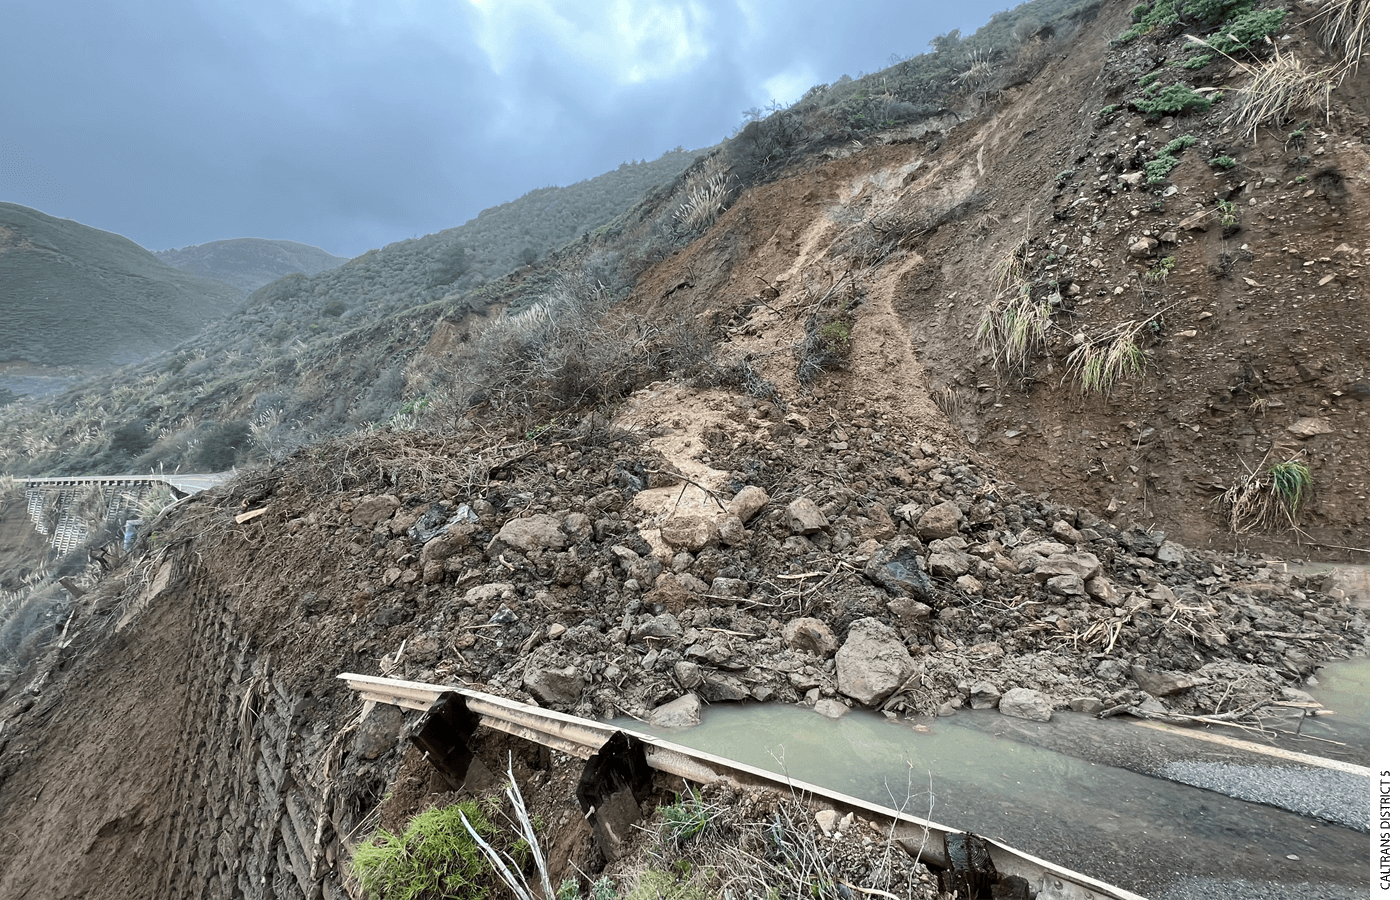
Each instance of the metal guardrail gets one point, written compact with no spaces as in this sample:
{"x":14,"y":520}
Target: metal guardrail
{"x":581,"y":738}
{"x":121,"y":498}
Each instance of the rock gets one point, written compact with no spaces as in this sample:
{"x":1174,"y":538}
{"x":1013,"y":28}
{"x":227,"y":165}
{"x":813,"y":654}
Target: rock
{"x":831,"y":707}
{"x":723,"y":689}
{"x":1131,"y":178}
{"x":1065,"y":532}
{"x":1171,"y":552}
{"x":1310,"y":426}
{"x":984,"y":695}
{"x":1152,"y":706}
{"x":450,"y":542}
{"x":809,"y":635}
{"x":826,"y":821}
{"x":643,"y":571}
{"x":1101,"y":589}
{"x":689,"y":533}
{"x":552,"y":684}
{"x":682,"y":712}
{"x":1091,"y":705}
{"x":729,"y":588}
{"x":578,"y":527}
{"x":663,"y":627}
{"x":488,"y":592}
{"x":909,"y":609}
{"x":895,"y":567}
{"x":529,"y":533}
{"x":969,"y":585}
{"x":748,"y":502}
{"x":402,"y":521}
{"x":378,"y":733}
{"x":950,"y":564}
{"x":803,"y":517}
{"x":878,"y":524}
{"x":872,"y":663}
{"x":1142,"y":247}
{"x":939,"y":522}
{"x":1083,"y":565}
{"x":731,"y":531}
{"x":372,"y":510}
{"x":672,"y":593}
{"x":688,"y":674}
{"x":1161,"y":684}
{"x":503,"y":616}
{"x":556,"y":631}
{"x":422,"y":648}
{"x":1024,"y":703}
{"x":1065,"y":585}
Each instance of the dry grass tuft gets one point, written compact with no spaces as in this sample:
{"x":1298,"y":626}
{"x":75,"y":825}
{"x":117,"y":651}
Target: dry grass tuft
{"x":1268,"y":498}
{"x":1279,"y":89}
{"x":1346,"y":29}
{"x":1101,"y":362}
{"x":1013,"y":326}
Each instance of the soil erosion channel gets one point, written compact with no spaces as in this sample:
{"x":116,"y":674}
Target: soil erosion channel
{"x":1137,"y":829}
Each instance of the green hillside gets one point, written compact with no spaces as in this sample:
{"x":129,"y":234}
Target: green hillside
{"x":249,"y":263}
{"x":75,"y":295}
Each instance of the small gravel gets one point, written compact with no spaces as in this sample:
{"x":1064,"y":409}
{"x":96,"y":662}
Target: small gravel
{"x":1319,"y":793}
{"x":1238,"y":889}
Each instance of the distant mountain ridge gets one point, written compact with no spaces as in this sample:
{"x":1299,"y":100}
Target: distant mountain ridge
{"x":76,"y":295}
{"x":249,"y":263}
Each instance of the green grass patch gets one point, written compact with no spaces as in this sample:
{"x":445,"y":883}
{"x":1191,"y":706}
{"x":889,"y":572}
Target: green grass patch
{"x":433,"y":858}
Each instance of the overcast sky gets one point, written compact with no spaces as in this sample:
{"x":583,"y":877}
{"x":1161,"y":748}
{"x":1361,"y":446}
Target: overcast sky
{"x":350,"y":124}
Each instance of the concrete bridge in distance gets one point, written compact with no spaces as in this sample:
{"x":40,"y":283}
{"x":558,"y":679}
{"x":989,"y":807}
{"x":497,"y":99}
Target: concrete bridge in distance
{"x":67,"y":508}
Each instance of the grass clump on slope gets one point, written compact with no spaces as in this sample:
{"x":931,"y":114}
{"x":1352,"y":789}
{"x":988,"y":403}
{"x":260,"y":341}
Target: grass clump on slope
{"x":433,"y":858}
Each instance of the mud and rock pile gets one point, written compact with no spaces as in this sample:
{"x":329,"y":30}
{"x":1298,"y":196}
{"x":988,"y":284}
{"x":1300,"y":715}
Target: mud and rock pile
{"x":598,"y":575}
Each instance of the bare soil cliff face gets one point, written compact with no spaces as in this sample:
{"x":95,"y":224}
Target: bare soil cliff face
{"x":877,"y":475}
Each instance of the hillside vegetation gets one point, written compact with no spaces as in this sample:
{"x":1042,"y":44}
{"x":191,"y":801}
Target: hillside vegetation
{"x":74,"y":295}
{"x":249,"y":263}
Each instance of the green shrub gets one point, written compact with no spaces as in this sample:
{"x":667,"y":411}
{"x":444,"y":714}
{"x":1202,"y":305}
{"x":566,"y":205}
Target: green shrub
{"x":1145,"y":18}
{"x":1247,"y":30}
{"x":1160,"y":100}
{"x":1176,"y":145}
{"x":1158,"y":168}
{"x":1224,"y":162}
{"x":1215,"y":10}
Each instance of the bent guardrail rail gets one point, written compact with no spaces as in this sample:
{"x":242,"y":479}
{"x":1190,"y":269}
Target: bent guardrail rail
{"x":583,"y":739}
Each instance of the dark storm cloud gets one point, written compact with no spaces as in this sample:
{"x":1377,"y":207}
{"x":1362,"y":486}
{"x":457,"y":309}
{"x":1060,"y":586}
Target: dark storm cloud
{"x":353,"y":124}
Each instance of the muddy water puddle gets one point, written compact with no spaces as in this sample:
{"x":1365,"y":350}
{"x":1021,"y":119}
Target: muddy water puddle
{"x":1149,"y":835}
{"x":1345,"y":689}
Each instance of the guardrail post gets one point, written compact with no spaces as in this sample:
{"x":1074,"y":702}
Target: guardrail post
{"x":613,"y":781}
{"x":443,"y":735}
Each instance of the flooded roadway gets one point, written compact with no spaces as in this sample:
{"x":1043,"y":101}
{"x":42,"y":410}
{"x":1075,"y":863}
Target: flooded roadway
{"x":1157,"y":811}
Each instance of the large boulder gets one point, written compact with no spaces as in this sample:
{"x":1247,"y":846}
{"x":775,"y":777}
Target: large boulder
{"x":873,"y":663}
{"x":1082,"y":565}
